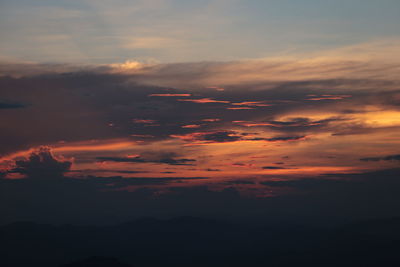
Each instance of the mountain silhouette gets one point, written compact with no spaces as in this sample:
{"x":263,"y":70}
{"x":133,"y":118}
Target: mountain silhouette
{"x":97,"y":262}
{"x":189,"y":241}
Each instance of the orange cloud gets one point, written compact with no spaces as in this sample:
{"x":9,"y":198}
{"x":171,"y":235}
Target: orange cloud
{"x":143,"y":121}
{"x":204,"y":101}
{"x":252,"y":103}
{"x":211,"y":120}
{"x":191,"y":126}
{"x":240,"y":108}
{"x":76,"y":147}
{"x":328,"y":97}
{"x":252,"y":124}
{"x":95,"y":146}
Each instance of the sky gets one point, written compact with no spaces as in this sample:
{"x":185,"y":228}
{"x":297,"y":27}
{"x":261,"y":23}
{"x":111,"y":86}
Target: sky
{"x":104,"y":32}
{"x":274,"y":107}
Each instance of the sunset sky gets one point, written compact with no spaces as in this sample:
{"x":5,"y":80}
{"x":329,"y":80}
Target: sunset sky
{"x":105,"y":31}
{"x":168,"y":95}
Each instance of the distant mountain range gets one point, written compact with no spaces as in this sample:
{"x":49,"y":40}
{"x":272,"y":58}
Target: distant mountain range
{"x":188,"y":241}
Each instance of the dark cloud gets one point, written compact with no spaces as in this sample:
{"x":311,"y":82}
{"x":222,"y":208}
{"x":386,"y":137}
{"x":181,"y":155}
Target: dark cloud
{"x":106,"y":171}
{"x":120,"y":159}
{"x":5,"y":105}
{"x":281,"y":138}
{"x":361,"y":184}
{"x":304,"y":183}
{"x":273,"y":168}
{"x":386,"y":158}
{"x":232,"y":136}
{"x":240,"y":182}
{"x":221,"y":136}
{"x":285,"y":138}
{"x":41,"y":164}
{"x":126,"y":172}
{"x":177,"y":161}
{"x":166,"y":160}
{"x":339,"y":197}
{"x":125,"y":183}
{"x":303,"y":122}
{"x":213,"y":170}
{"x":292,"y":123}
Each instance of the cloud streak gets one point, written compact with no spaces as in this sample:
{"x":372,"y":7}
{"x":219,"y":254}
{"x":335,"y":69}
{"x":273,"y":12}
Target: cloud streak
{"x":163,"y":160}
{"x":385,"y":158}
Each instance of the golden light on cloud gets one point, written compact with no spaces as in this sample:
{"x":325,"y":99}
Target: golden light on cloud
{"x":127,"y":66}
{"x":191,"y":126}
{"x":93,"y":146}
{"x":240,"y":108}
{"x":79,"y":147}
{"x":383,"y":118}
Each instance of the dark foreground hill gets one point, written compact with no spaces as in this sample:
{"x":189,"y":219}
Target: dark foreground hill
{"x":190,"y":242}
{"x":97,"y":262}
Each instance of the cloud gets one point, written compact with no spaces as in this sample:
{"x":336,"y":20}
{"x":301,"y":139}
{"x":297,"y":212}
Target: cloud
{"x":348,"y":196}
{"x":221,"y":136}
{"x":88,"y":171}
{"x":242,"y":165}
{"x":266,"y":71}
{"x":285,"y":138}
{"x":127,"y":184}
{"x":213,"y":170}
{"x":191,"y":126}
{"x":170,"y":95}
{"x":386,"y":158}
{"x":41,"y":164}
{"x":143,"y":121}
{"x":279,"y":138}
{"x":292,"y":124}
{"x":217,"y":136}
{"x":372,"y":61}
{"x":231,"y":136}
{"x":210,"y":120}
{"x":274,"y":168}
{"x":204,"y":101}
{"x":104,"y":113}
{"x":240,"y":182}
{"x":327,"y":97}
{"x":135,"y":106}
{"x":305,"y":184}
{"x":252,"y":104}
{"x":5,"y":105}
{"x":240,"y":108}
{"x":162,"y":160}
